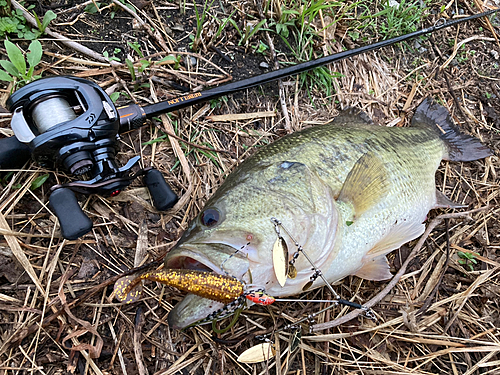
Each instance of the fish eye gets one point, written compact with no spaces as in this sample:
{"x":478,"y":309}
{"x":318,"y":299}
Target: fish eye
{"x":210,"y":217}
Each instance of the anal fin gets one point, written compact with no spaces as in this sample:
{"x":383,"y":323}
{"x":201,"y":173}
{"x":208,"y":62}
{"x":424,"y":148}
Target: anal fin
{"x":375,"y":269}
{"x":442,"y":201}
{"x":366,"y":184}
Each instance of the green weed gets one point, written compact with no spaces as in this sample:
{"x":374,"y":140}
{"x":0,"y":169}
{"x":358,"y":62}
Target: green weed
{"x":249,"y":30}
{"x":47,"y":19}
{"x":18,"y":67}
{"x":137,"y":48}
{"x":39,"y":181}
{"x":403,"y":19}
{"x":467,"y":259}
{"x":16,"y":23}
{"x":200,"y":20}
{"x":296,"y":24}
{"x":222,"y":26}
{"x":261,"y":47}
{"x":111,"y":58}
{"x":94,"y":7}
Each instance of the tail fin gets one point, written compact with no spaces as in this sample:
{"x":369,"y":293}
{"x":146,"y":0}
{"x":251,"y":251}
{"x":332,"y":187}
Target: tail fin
{"x":461,"y":147}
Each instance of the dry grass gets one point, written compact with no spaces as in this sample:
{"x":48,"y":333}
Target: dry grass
{"x":441,"y":317}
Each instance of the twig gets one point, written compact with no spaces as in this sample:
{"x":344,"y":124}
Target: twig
{"x":139,"y":358}
{"x":431,"y":296}
{"x":173,"y":135}
{"x":64,"y":40}
{"x":395,"y":279}
{"x":486,"y":20}
{"x":16,"y":339}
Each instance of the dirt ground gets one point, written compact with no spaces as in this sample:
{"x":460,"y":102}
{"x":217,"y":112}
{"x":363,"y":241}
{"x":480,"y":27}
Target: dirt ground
{"x":443,"y":316}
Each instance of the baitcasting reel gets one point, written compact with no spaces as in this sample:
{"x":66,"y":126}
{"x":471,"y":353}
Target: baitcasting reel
{"x":72,"y":123}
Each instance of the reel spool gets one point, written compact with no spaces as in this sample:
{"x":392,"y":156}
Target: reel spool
{"x":71,"y":123}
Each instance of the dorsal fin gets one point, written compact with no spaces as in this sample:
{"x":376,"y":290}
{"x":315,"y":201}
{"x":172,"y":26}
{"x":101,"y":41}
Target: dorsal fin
{"x":366,"y":184}
{"x":352,"y":115}
{"x":461,"y":147}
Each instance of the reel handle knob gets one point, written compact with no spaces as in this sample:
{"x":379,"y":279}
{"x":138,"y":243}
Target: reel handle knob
{"x":73,"y":221}
{"x":162,"y":194}
{"x":13,"y":154}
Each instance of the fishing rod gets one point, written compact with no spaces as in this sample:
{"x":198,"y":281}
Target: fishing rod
{"x":71,"y":123}
{"x":134,"y":112}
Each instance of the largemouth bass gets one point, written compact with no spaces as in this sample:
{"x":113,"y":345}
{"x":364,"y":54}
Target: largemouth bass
{"x":349,"y":192}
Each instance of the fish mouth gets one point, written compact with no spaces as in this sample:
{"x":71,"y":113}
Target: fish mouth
{"x":191,"y":260}
{"x":212,"y":257}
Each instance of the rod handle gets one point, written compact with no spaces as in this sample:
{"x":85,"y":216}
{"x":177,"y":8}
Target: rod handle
{"x":13,"y":154}
{"x":162,"y":194}
{"x":73,"y":221}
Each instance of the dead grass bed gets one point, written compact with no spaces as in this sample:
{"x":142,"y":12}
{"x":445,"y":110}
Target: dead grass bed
{"x":442,"y":316}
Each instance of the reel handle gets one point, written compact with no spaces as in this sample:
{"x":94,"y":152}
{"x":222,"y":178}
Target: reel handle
{"x":73,"y":221}
{"x":162,"y":194}
{"x":13,"y":154}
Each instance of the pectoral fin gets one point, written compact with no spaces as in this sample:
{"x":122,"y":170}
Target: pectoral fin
{"x":375,"y":269}
{"x":366,"y":184}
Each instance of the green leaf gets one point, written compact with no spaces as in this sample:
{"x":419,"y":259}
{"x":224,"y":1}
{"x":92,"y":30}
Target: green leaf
{"x":39,"y":181}
{"x":91,"y":8}
{"x":156,"y":140}
{"x":29,"y":75}
{"x":168,"y":58}
{"x":5,"y":77}
{"x":131,"y":68}
{"x":8,"y":25}
{"x":38,"y":23}
{"x":129,"y":6}
{"x":10,"y":68}
{"x":137,"y":48}
{"x":35,"y":55}
{"x":349,"y":223}
{"x":114,"y":96}
{"x":28,"y":35}
{"x":15,"y":56}
{"x":47,"y":18}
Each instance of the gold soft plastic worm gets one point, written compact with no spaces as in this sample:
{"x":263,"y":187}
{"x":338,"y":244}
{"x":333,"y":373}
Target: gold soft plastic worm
{"x":209,"y":285}
{"x":128,"y":289}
